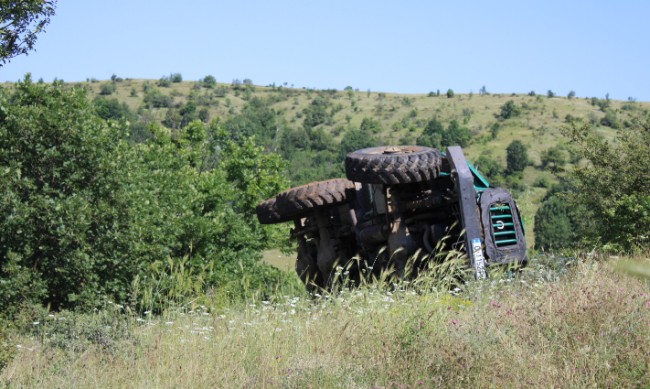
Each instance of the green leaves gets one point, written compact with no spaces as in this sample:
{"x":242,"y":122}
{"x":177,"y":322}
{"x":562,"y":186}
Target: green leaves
{"x":84,"y":212}
{"x":20,"y":23}
{"x":613,"y":185}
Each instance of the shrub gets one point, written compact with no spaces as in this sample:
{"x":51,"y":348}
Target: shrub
{"x":559,"y":222}
{"x":209,"y":81}
{"x":84,"y":212}
{"x":516,"y":157}
{"x":107,"y":88}
{"x":63,"y":208}
{"x":614,"y":185}
{"x":509,"y":110}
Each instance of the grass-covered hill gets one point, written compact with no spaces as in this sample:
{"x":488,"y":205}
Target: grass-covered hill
{"x":313,"y":129}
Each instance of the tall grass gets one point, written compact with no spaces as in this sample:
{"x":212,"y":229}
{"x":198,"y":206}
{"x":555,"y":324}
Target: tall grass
{"x":554,"y":324}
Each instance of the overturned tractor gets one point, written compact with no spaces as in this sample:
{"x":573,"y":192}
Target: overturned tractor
{"x":399,"y":202}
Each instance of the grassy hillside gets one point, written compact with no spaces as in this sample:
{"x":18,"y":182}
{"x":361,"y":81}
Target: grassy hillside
{"x":560,"y":324}
{"x":401,"y":119}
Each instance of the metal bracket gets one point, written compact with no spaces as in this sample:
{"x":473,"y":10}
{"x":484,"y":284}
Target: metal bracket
{"x":470,"y":214}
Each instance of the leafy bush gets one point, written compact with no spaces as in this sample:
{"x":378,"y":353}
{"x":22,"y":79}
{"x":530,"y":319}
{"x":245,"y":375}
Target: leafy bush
{"x":317,"y":112}
{"x":613,"y":186}
{"x":209,"y":81}
{"x":558,"y":222}
{"x":432,"y":134}
{"x":63,"y":211}
{"x":516,"y":157}
{"x":509,"y":110}
{"x":154,"y":98}
{"x":107,"y":88}
{"x":84,"y":212}
{"x":554,"y":158}
{"x":7,"y":348}
{"x":491,"y":168}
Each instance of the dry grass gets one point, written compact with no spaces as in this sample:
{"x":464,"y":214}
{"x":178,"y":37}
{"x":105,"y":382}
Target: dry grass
{"x":588,"y":327}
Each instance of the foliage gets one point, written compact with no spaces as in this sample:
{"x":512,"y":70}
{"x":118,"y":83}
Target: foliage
{"x":85,"y":214}
{"x":7,"y":348}
{"x":371,"y":125}
{"x":432,"y":134}
{"x":509,"y":110}
{"x":610,"y":119}
{"x":516,"y":157}
{"x":209,"y":81}
{"x":154,"y":98}
{"x":256,"y":119}
{"x":63,"y":214}
{"x":356,"y":139}
{"x":456,"y":135}
{"x":450,"y":93}
{"x":20,"y":23}
{"x":435,"y":135}
{"x":613,"y":186}
{"x":107,"y":88}
{"x":112,"y":109}
{"x":491,"y":168}
{"x":554,"y":157}
{"x":317,"y":112}
{"x":559,"y":223}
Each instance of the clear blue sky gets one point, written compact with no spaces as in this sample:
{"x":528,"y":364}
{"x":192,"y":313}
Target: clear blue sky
{"x":591,"y":47}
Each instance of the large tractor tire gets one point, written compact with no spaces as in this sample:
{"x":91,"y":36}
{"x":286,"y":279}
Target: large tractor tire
{"x":302,"y":200}
{"x":392,"y":165}
{"x":267,"y":212}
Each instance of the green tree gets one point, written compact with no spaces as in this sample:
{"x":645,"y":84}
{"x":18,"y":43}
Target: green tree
{"x":209,"y":81}
{"x":371,"y":125}
{"x":87,"y":215}
{"x":450,"y":93}
{"x":558,"y":222}
{"x":356,"y":139}
{"x":257,"y":119}
{"x":509,"y":110}
{"x":107,"y":88}
{"x":489,"y":167}
{"x":112,"y":109}
{"x":64,"y":215}
{"x":432,"y":134}
{"x":613,"y":186}
{"x":317,"y":112}
{"x":610,"y":119}
{"x":456,"y":135}
{"x":516,"y":157}
{"x":20,"y":23}
{"x":554,"y":158}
